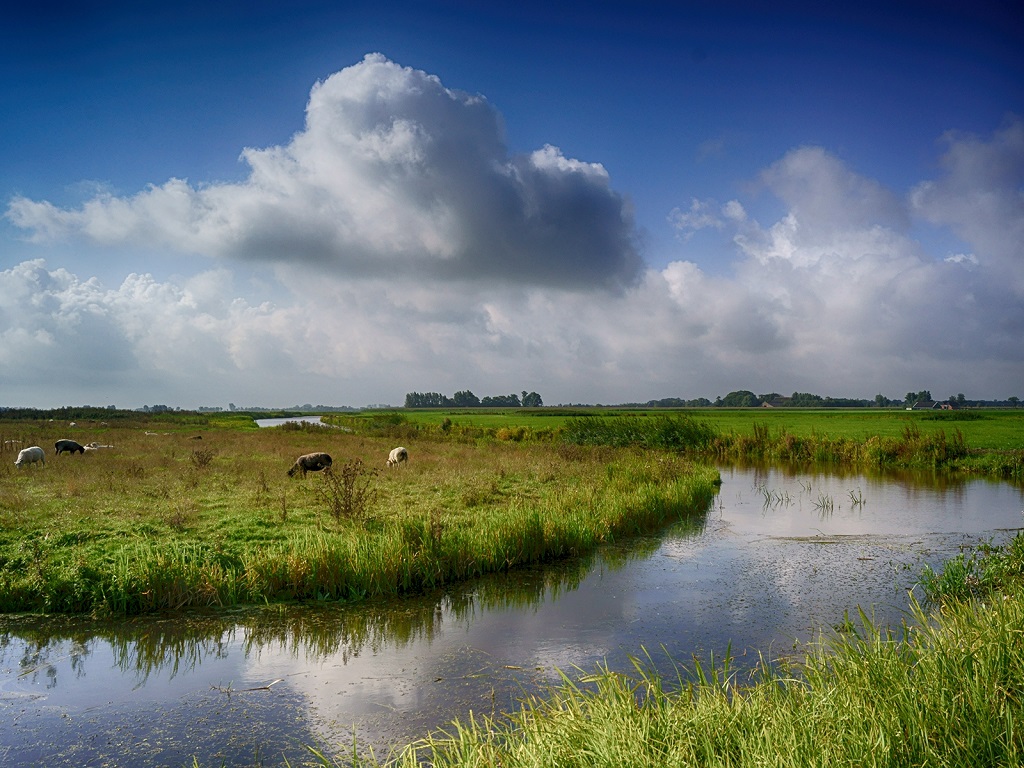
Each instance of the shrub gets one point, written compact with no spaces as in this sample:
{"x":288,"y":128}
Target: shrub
{"x":347,"y":490}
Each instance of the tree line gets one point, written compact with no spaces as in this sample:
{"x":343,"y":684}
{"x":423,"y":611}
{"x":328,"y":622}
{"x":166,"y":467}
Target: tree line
{"x":744,"y":398}
{"x":466,"y":399}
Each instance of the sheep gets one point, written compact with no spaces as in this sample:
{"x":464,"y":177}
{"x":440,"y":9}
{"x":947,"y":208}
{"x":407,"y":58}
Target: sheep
{"x":397,"y":456}
{"x":311,"y":462}
{"x":94,"y":446}
{"x":68,"y":446}
{"x":30,"y":456}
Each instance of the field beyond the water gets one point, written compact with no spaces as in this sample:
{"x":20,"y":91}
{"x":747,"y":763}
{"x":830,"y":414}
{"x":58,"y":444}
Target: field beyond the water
{"x":982,"y":442}
{"x":988,"y":429}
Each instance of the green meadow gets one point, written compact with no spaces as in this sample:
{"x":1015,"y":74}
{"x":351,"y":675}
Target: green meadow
{"x":984,"y":442}
{"x":989,"y":429}
{"x":202,"y":513}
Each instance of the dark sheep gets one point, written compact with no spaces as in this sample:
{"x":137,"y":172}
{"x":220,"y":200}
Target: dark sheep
{"x":68,"y":446}
{"x":311,"y":462}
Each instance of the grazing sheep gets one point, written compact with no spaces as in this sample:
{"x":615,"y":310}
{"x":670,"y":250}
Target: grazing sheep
{"x":397,"y":456}
{"x":68,"y":446}
{"x":30,"y":456}
{"x":311,"y":462}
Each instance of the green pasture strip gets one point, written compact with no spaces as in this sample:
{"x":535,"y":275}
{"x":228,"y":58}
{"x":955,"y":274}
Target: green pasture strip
{"x":946,"y":692}
{"x":165,"y":521}
{"x":979,"y":442}
{"x":983,"y":429}
{"x":989,"y":429}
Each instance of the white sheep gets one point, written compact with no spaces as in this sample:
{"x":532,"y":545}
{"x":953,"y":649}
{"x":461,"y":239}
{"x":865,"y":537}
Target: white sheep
{"x":397,"y":456}
{"x":30,"y":456}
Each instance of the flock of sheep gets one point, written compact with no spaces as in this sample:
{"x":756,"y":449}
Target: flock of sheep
{"x":35,"y":454}
{"x":310,"y":462}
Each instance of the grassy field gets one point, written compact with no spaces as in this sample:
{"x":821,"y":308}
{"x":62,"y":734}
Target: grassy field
{"x":202,"y":512}
{"x":995,"y":430}
{"x":984,"y":442}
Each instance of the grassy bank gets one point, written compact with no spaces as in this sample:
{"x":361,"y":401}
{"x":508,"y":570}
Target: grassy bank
{"x":949,"y":692}
{"x":978,"y":442}
{"x":201,"y":514}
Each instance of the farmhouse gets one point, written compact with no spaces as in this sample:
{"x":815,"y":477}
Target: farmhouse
{"x":931,"y":405}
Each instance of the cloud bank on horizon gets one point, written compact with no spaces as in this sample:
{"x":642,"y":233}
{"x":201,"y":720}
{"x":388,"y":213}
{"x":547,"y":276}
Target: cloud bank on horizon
{"x":395,"y":244}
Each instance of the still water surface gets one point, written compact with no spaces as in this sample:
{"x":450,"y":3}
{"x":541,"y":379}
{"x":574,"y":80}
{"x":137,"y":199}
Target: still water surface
{"x":778,"y":557}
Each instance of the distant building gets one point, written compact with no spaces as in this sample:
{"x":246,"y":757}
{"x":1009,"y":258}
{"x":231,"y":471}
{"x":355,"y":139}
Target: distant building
{"x":931,"y":405}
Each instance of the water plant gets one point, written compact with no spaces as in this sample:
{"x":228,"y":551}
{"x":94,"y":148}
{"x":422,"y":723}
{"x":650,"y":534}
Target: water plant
{"x":825,"y":504}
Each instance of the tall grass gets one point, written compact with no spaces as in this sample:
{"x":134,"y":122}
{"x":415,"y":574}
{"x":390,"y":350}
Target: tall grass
{"x":157,"y":523}
{"x":676,"y":433}
{"x":985,"y":572}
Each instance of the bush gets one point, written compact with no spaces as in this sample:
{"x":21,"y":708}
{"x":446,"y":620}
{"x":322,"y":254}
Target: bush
{"x":675,"y":433}
{"x":347,"y":490}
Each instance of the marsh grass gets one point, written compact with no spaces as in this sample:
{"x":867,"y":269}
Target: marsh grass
{"x":988,"y":572}
{"x":152,"y":524}
{"x":988,"y":442}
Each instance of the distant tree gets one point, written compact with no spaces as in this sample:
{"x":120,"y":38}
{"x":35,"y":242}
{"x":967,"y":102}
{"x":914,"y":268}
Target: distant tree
{"x":807,"y":400}
{"x":532,"y":400}
{"x":1013,"y":400}
{"x":501,"y":401}
{"x":960,"y":399}
{"x":881,"y":400}
{"x":427,"y":400}
{"x":740,"y":399}
{"x":465,"y":399}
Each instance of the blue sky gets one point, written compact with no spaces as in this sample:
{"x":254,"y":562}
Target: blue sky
{"x":279,"y":203}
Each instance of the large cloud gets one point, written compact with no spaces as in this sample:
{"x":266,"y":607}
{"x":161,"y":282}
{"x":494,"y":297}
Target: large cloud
{"x":981,"y":197}
{"x":393,"y":174}
{"x":839,"y":297}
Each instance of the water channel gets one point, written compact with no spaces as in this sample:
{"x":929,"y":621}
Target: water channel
{"x":779,"y":556}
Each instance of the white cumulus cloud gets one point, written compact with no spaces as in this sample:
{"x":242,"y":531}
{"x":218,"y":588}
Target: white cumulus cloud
{"x":392,"y":172}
